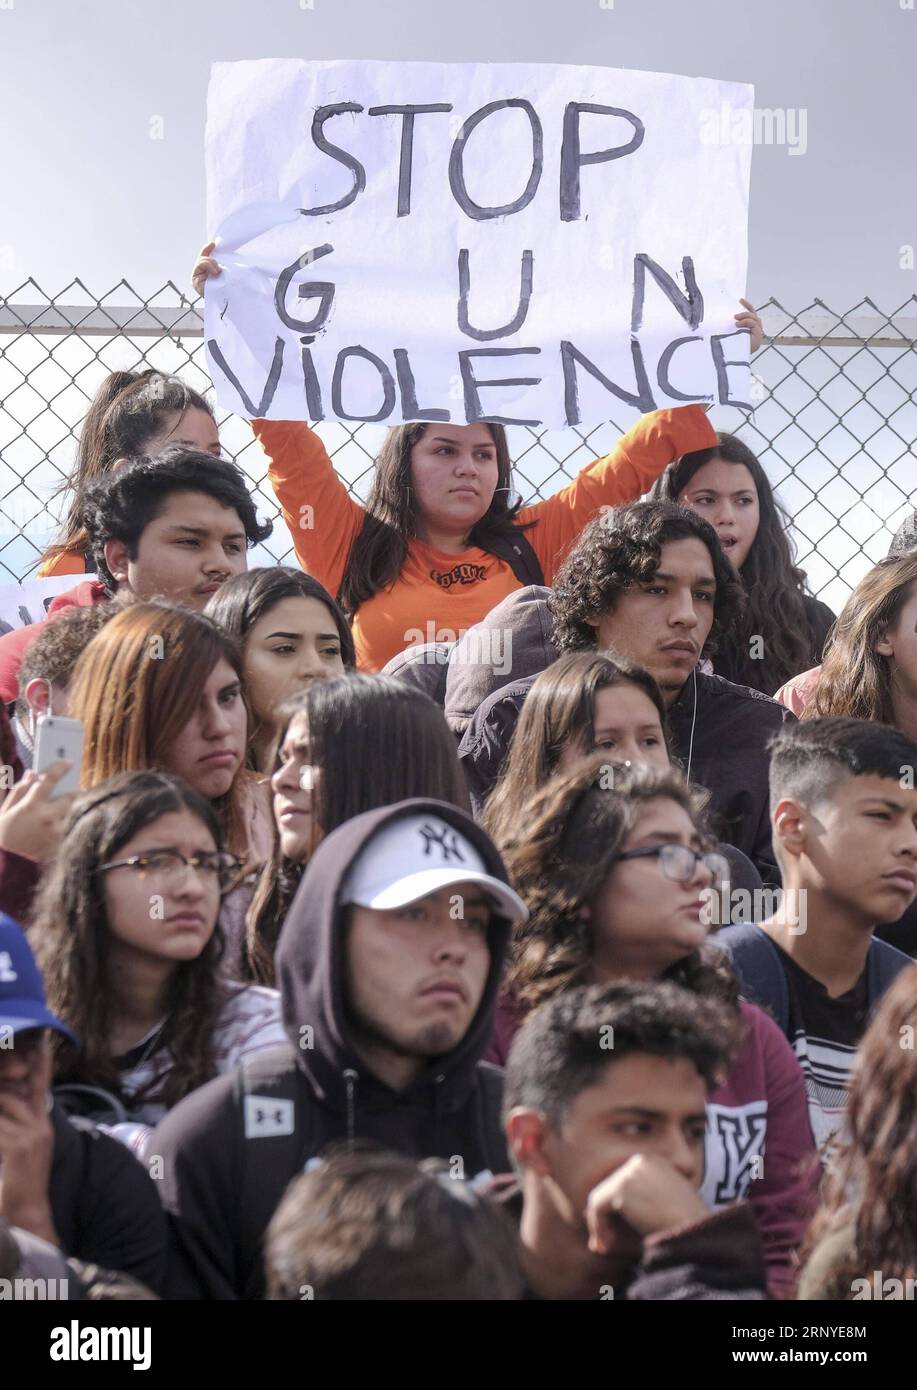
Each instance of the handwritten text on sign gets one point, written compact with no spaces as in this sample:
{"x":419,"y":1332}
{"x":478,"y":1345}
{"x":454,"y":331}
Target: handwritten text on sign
{"x":512,"y":242}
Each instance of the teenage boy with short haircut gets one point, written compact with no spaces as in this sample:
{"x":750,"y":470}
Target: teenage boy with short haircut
{"x":61,"y":1180}
{"x":604,"y":1101}
{"x":844,"y":810}
{"x":31,"y":836}
{"x":389,"y":964}
{"x":365,"y":1225}
{"x":47,"y":665}
{"x":176,"y":527}
{"x":651,"y":583}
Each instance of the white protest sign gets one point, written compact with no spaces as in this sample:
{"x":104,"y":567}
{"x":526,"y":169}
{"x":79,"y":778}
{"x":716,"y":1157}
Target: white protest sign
{"x":22,"y":604}
{"x":525,"y":243}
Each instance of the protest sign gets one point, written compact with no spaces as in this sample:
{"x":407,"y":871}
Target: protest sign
{"x":22,"y":604}
{"x":525,"y":243}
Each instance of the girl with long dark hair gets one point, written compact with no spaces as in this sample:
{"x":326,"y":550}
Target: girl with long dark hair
{"x":870,"y":666}
{"x":785,"y":627}
{"x":582,"y":702}
{"x":290,"y":632}
{"x":620,"y":879}
{"x":442,"y":540}
{"x":132,"y":413}
{"x":125,"y":929}
{"x":344,"y":746}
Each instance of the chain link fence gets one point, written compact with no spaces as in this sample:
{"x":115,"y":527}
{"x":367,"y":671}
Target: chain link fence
{"x":834,"y":423}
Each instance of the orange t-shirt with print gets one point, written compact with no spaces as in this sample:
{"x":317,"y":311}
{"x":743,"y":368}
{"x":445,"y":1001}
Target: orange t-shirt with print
{"x":438,"y":596}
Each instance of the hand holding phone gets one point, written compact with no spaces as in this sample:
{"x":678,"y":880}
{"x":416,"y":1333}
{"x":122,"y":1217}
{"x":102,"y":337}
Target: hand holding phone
{"x":31,"y":820}
{"x":55,"y":738}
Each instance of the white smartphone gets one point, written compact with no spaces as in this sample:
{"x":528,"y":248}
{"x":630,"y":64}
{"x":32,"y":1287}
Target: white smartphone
{"x":57,"y":737}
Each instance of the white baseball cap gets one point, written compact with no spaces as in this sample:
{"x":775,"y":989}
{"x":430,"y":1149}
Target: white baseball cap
{"x":418,"y":855}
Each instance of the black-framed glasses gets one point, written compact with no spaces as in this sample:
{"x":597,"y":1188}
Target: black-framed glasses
{"x":679,"y":862}
{"x":219,"y":867}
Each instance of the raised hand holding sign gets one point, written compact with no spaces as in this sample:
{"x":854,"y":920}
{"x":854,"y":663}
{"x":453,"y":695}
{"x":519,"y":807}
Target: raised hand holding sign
{"x":511,"y":242}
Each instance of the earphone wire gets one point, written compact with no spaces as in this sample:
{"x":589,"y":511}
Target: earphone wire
{"x":33,"y":718}
{"x":693,"y":723}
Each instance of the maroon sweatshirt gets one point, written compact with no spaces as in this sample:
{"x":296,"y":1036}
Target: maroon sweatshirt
{"x":13,"y":644}
{"x":18,"y":881}
{"x":759,"y":1143}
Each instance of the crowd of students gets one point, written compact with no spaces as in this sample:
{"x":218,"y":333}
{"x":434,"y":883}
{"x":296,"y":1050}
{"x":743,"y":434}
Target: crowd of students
{"x":566,"y":956}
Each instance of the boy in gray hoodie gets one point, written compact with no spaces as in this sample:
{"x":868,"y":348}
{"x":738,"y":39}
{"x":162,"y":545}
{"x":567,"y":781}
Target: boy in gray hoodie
{"x":389,"y":965}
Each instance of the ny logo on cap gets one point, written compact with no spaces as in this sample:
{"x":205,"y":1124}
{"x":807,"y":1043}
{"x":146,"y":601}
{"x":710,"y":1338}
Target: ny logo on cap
{"x":7,"y":973}
{"x":446,"y":839}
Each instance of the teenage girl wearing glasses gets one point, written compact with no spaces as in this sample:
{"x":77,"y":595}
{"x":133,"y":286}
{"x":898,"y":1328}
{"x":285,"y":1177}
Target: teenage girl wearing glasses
{"x":619,"y":877}
{"x":125,"y":929}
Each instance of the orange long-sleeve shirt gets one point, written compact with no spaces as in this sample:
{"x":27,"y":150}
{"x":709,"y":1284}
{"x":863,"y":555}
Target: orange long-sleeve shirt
{"x":438,"y":595}
{"x":68,"y":562}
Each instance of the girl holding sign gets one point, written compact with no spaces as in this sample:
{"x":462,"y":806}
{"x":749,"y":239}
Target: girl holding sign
{"x":440,"y":543}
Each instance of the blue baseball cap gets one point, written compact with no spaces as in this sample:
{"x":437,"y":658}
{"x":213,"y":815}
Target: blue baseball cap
{"x":22,"y":993}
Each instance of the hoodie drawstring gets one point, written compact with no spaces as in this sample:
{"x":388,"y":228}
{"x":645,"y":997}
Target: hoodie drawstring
{"x":437,"y":1109}
{"x":351,"y":1078}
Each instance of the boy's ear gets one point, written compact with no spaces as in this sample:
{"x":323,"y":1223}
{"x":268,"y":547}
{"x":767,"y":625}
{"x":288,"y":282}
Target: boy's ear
{"x":116,"y":558}
{"x":37,"y":695}
{"x":525,"y":1134}
{"x":789,"y":826}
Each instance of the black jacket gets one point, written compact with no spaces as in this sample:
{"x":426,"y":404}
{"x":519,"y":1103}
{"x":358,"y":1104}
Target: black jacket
{"x":732,"y":729}
{"x":230,"y":1149}
{"x":728,"y":754}
{"x":718,"y":1258}
{"x":105,"y":1207}
{"x":721,"y":1258}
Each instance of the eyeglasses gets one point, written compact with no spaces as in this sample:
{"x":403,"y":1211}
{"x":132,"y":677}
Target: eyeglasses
{"x":166,"y":864}
{"x":678,"y":862}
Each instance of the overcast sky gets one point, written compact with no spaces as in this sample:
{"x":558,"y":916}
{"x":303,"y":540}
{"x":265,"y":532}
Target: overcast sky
{"x":87,"y":192}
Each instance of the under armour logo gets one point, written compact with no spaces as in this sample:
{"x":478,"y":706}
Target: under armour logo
{"x":446,"y":839}
{"x":7,"y":973}
{"x":266,"y":1116}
